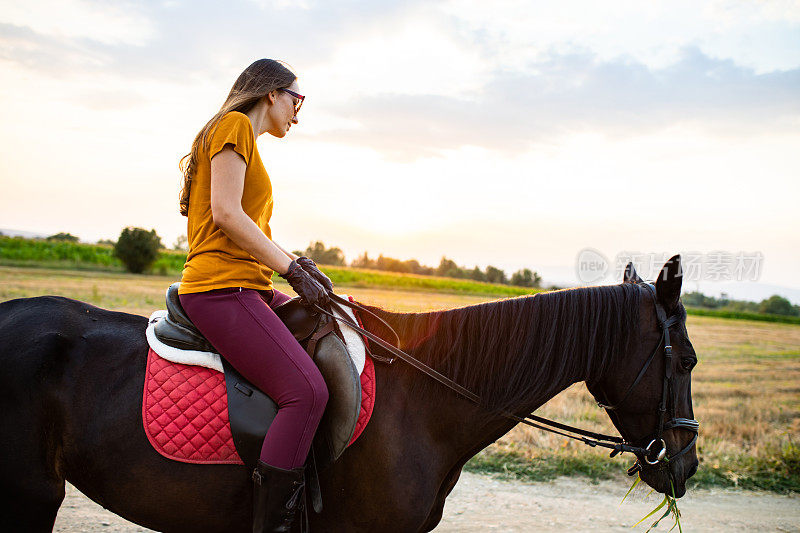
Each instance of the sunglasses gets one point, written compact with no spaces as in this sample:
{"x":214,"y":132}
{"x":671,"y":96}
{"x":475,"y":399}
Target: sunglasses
{"x":299,"y":103}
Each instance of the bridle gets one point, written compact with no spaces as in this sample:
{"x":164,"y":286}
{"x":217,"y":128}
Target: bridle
{"x":649,"y":454}
{"x":668,"y":400}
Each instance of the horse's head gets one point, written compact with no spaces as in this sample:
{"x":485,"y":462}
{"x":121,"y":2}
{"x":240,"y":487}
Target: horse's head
{"x":647,"y":392}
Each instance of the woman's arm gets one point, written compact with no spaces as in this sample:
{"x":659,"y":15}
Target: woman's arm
{"x":290,"y":255}
{"x":227,"y":186}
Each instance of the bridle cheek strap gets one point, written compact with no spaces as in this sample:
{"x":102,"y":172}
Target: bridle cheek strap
{"x":668,"y":400}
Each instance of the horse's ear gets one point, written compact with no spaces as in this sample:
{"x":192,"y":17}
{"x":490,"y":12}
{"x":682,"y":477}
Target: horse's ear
{"x":630,"y":275}
{"x":668,"y":284}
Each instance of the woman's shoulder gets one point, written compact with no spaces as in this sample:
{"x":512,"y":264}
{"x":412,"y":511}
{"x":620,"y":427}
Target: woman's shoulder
{"x":234,"y":119}
{"x":235,"y":124}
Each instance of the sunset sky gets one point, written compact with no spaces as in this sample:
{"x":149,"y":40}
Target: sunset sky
{"x":506,"y":133}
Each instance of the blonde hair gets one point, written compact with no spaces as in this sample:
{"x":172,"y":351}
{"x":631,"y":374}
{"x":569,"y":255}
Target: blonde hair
{"x":255,"y":82}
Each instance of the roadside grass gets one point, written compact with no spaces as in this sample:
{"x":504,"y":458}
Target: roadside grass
{"x":545,"y":466}
{"x":746,"y":387}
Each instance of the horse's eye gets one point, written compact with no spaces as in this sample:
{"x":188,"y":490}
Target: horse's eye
{"x":687,"y":363}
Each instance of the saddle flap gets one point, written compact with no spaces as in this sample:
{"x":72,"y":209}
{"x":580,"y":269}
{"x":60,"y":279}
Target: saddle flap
{"x":344,"y":400}
{"x":250,"y":413}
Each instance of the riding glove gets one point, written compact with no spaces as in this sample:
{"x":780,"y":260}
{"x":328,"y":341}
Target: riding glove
{"x":311,"y":267}
{"x":309,"y":289}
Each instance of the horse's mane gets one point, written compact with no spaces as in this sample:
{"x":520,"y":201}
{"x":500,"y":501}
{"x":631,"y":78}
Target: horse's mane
{"x":500,"y":349}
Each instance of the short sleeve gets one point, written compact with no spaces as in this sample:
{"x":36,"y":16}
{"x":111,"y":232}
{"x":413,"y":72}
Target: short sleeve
{"x":234,"y":128}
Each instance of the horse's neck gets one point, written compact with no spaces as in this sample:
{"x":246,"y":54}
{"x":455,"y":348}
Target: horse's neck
{"x":466,"y":426}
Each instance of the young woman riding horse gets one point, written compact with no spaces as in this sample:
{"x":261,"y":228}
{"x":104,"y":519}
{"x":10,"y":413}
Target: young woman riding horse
{"x":226,"y":287}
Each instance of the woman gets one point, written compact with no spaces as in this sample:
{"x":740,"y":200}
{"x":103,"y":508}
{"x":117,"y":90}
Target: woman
{"x":226,"y":287}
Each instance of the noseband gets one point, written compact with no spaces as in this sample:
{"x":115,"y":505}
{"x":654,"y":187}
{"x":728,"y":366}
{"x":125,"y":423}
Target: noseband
{"x":649,"y":454}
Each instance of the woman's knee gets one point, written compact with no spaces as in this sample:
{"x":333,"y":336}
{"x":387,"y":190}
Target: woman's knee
{"x":311,"y":396}
{"x":319,"y":393}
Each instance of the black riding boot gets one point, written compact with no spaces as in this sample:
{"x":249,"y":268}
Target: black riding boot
{"x":278,"y":495}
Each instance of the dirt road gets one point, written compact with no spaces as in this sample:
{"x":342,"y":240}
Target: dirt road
{"x":480,"y":503}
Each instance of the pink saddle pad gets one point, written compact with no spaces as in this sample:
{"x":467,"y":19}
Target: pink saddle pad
{"x":185,"y":411}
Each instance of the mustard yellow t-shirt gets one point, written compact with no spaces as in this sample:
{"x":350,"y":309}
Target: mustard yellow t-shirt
{"x":215,"y":261}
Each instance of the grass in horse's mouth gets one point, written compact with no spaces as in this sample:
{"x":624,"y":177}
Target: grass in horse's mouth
{"x":670,"y":502}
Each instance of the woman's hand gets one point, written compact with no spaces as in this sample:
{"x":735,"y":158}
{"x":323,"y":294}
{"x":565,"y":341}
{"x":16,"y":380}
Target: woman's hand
{"x":305,"y":286}
{"x":311,"y":267}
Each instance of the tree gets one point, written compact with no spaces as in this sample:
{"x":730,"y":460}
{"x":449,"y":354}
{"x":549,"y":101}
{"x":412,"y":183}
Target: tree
{"x":363,"y":261}
{"x":777,"y":305}
{"x":66,"y":237}
{"x":391,"y":264}
{"x":477,"y":274}
{"x":526,"y":278}
{"x":137,"y":248}
{"x":446,"y":267}
{"x":317,"y":252}
{"x":495,"y":275}
{"x":698,"y":299}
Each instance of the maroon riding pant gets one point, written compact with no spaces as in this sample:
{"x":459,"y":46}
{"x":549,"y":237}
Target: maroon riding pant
{"x":241,"y":324}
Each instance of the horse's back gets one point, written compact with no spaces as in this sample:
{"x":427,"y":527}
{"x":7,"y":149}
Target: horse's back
{"x":41,"y":336}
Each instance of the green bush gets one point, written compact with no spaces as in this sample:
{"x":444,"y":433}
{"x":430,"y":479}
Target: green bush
{"x":68,"y":237}
{"x":137,"y":248}
{"x":778,"y":305}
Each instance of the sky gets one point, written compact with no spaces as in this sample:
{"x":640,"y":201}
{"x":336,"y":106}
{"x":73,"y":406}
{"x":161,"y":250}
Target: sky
{"x":517,"y":134}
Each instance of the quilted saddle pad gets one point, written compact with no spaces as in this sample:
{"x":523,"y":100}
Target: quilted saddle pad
{"x":185,"y":411}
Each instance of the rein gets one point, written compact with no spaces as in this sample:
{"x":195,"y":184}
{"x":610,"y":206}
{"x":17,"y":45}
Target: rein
{"x":614,"y":443}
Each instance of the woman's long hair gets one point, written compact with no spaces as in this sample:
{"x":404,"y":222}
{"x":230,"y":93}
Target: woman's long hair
{"x":257,"y":80}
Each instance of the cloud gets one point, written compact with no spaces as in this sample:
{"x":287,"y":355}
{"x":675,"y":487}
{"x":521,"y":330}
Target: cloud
{"x":103,"y":22}
{"x":575,"y":93}
{"x":183,"y":42}
{"x":58,"y":56}
{"x":411,"y":79}
{"x":761,"y":35}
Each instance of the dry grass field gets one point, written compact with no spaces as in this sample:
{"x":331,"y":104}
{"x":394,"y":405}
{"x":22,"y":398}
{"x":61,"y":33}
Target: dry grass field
{"x":746,"y":388}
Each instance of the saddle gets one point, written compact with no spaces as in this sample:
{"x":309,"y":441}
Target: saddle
{"x":250,"y":411}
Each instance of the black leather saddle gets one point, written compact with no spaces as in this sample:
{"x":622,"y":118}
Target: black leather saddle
{"x":251,"y":411}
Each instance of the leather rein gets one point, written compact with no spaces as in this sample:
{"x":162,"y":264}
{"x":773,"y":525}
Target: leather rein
{"x":590,"y":438}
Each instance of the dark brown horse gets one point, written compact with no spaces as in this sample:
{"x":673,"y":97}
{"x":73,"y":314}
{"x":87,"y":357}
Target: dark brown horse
{"x":71,"y":395}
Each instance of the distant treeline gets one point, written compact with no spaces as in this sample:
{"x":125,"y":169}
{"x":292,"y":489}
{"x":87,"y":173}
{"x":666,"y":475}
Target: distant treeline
{"x":447,"y":268}
{"x":63,"y":251}
{"x":774,"y":305}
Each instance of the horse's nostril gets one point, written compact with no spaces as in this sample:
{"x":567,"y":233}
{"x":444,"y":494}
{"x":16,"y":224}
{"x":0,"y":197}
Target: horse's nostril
{"x":692,"y":471}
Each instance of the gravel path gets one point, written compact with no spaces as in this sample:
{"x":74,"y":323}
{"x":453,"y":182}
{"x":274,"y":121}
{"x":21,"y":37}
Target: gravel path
{"x":480,"y":503}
